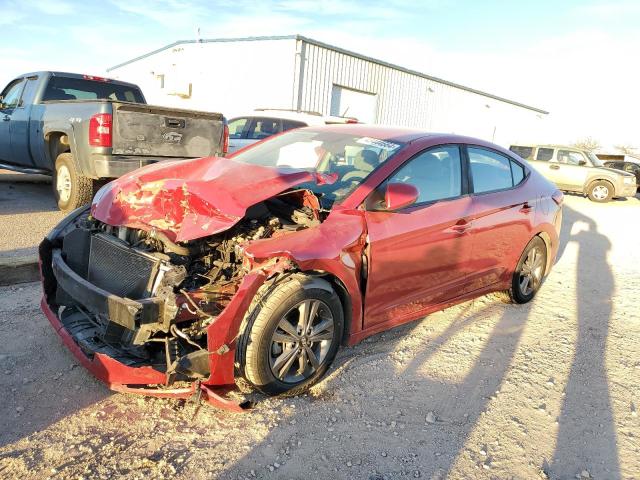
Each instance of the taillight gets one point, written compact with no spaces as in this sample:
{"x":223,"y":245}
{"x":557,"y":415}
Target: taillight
{"x":100,"y":130}
{"x":225,"y":141}
{"x":352,"y":120}
{"x":558,"y":197}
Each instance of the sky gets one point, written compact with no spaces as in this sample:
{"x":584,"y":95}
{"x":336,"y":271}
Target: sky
{"x":575,"y":59}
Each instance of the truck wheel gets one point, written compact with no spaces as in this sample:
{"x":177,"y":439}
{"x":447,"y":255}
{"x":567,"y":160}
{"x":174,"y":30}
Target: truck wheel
{"x":291,"y":336}
{"x":71,"y":189}
{"x":600,"y":191}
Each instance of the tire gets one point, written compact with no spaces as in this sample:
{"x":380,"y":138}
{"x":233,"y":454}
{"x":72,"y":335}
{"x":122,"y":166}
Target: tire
{"x":600,"y":191}
{"x":71,"y":189}
{"x":516,"y":294}
{"x":273,"y":365}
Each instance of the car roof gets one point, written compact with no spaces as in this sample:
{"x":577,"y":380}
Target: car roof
{"x":539,"y":145}
{"x":404,"y":135}
{"x":310,"y":118}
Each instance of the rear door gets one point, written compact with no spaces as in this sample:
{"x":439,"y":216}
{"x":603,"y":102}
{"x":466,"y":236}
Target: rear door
{"x":418,"y":256}
{"x":10,"y":101}
{"x":501,"y":214}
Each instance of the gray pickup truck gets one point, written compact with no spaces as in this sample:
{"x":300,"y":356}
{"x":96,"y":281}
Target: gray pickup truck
{"x":82,"y":129}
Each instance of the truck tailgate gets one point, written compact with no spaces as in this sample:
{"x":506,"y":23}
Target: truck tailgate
{"x":166,"y":132}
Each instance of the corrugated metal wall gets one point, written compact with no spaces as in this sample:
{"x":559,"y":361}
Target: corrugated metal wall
{"x":238,"y":75}
{"x":408,"y":99}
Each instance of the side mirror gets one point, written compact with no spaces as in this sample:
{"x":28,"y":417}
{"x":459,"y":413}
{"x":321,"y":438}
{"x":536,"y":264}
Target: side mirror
{"x":582,"y":163}
{"x":400,"y":195}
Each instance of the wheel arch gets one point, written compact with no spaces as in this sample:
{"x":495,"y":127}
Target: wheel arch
{"x":546,"y":238}
{"x":600,"y":179}
{"x":343,"y":294}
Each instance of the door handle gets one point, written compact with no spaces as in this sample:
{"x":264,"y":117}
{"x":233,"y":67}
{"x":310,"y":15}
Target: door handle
{"x":6,"y":118}
{"x":526,"y":208}
{"x":461,"y":226}
{"x":554,"y":167}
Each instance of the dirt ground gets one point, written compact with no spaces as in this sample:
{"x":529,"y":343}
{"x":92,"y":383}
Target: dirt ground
{"x":481,"y":390}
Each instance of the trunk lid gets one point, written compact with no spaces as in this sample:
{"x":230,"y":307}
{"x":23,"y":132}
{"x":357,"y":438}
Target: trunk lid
{"x":191,"y":199}
{"x":153,"y":131}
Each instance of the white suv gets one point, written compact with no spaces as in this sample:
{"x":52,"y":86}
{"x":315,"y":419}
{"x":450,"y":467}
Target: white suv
{"x":262,"y":123}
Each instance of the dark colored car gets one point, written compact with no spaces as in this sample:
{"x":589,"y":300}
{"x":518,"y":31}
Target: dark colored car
{"x":629,"y":167}
{"x":184,"y":276}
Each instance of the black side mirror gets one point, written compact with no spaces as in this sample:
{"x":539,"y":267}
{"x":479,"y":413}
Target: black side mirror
{"x":582,"y":163}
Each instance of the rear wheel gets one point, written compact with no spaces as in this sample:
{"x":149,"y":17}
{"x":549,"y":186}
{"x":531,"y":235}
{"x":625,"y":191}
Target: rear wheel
{"x":528,"y":275}
{"x":291,"y":336}
{"x":71,"y":189}
{"x":600,"y":191}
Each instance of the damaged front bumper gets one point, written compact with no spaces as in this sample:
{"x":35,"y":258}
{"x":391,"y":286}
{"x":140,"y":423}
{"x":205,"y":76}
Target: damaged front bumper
{"x":120,"y":372}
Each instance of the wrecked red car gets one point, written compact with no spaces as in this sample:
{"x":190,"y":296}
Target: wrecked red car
{"x":183,"y":276}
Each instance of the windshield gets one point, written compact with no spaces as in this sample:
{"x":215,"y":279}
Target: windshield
{"x":595,"y":160}
{"x":346,"y":160}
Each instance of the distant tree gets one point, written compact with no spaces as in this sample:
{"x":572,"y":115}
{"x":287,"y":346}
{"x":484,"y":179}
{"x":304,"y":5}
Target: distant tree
{"x":587,"y":143}
{"x":626,"y":149}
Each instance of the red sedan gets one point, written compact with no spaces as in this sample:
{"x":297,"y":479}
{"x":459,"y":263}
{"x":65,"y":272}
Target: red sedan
{"x":185,"y":275}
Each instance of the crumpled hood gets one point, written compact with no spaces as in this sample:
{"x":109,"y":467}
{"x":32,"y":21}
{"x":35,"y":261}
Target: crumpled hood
{"x":190,"y":199}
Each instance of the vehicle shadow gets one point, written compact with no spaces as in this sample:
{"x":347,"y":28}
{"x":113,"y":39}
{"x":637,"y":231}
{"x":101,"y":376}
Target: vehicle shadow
{"x":586,"y":437}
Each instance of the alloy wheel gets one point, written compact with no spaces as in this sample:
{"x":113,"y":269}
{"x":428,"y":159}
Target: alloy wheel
{"x":531,"y":272}
{"x":301,"y":341}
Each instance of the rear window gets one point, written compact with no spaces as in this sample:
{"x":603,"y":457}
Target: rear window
{"x":522,"y":152}
{"x":65,"y":88}
{"x":291,"y":124}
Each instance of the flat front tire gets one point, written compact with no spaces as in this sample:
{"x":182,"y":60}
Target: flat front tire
{"x":71,"y":189}
{"x":291,"y":336}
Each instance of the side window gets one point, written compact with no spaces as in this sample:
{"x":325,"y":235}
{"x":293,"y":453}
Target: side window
{"x":11,"y":94}
{"x":517,"y":173}
{"x":436,"y":173}
{"x":291,"y":124}
{"x":522,"y":152}
{"x":571,"y":158}
{"x":544,"y":154}
{"x":491,"y":171}
{"x":263,"y":127}
{"x":236,"y":127}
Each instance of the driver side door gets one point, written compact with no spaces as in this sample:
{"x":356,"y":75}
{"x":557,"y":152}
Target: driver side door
{"x":10,"y":98}
{"x":419,"y":255}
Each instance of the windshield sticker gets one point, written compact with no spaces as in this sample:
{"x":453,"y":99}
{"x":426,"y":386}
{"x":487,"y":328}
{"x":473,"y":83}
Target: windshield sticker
{"x":374,"y":142}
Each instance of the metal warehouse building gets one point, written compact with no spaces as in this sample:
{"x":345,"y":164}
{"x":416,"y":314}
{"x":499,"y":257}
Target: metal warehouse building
{"x":236,"y":76}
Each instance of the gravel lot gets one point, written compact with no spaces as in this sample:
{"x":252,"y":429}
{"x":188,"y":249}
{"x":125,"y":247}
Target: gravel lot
{"x":481,"y":390}
{"x":28,"y":212}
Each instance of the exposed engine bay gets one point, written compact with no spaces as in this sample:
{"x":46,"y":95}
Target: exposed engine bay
{"x":158,"y":297}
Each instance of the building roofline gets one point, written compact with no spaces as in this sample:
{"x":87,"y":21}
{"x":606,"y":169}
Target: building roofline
{"x":339,"y":50}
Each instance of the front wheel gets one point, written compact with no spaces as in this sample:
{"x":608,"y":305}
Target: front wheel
{"x":71,"y":189}
{"x":291,"y":336}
